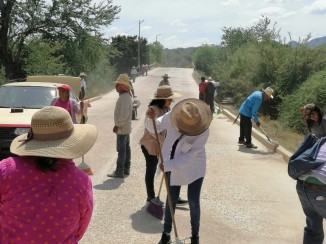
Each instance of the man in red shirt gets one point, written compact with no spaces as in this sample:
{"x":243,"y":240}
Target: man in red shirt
{"x":202,"y":86}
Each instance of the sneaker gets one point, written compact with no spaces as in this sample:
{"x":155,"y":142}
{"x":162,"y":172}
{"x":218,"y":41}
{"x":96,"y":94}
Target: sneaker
{"x":181,"y":202}
{"x":241,"y":142}
{"x":165,"y":239}
{"x":250,"y":145}
{"x":127,"y":171}
{"x":194,"y":239}
{"x":116,"y":174}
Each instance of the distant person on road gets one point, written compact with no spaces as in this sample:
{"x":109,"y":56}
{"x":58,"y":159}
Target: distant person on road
{"x":314,"y":119}
{"x":249,"y":109}
{"x":202,"y":86}
{"x":133,"y":74}
{"x":44,"y":197}
{"x":209,"y":95}
{"x":165,"y":81}
{"x":122,"y":126}
{"x":146,"y":69}
{"x":160,"y":103}
{"x":83,"y":85}
{"x":143,"y":69}
{"x":184,"y":156}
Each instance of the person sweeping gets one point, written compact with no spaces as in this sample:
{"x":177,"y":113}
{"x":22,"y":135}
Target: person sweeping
{"x":184,"y":157}
{"x":160,"y":102}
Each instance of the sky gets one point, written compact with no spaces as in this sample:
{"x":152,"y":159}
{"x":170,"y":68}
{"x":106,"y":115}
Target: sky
{"x":192,"y":23}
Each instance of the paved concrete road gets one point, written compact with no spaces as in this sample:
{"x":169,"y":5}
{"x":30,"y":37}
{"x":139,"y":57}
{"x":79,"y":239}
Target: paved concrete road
{"x":247,"y":196}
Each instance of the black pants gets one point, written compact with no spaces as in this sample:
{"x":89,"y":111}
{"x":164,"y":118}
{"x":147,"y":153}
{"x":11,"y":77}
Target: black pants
{"x":245,"y":129}
{"x":151,"y":165}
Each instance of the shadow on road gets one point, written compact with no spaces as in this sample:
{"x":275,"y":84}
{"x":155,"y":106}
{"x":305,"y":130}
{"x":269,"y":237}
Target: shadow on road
{"x":109,"y":184}
{"x":145,"y":223}
{"x":242,"y":148}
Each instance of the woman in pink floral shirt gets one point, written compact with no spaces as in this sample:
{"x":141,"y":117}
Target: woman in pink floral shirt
{"x":44,"y":197}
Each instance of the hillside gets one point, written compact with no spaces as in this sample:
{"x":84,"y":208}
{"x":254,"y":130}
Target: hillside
{"x":312,"y":43}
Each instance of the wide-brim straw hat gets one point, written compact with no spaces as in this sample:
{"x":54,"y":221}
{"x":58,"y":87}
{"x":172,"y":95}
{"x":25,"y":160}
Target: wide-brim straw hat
{"x":165,"y":92}
{"x":269,"y":92}
{"x":124,"y":79}
{"x":191,"y":117}
{"x":165,"y":76}
{"x":82,"y":74}
{"x":54,"y":135}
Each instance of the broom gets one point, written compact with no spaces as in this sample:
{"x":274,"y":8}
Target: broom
{"x":177,"y":240}
{"x":155,"y":206}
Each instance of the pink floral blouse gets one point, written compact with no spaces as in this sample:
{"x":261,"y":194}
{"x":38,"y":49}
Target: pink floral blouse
{"x":38,"y":207}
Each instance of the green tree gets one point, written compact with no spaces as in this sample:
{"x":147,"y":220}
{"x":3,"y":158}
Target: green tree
{"x":125,"y":50}
{"x":41,"y":58}
{"x":155,"y":53}
{"x":180,"y":57}
{"x":205,"y":58}
{"x":58,"y":21}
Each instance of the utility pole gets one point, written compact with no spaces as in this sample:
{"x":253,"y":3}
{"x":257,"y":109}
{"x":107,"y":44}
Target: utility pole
{"x":140,"y":21}
{"x":157,"y":36}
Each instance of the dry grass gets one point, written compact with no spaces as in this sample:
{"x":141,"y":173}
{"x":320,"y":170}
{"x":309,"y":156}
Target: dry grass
{"x":277,"y":132}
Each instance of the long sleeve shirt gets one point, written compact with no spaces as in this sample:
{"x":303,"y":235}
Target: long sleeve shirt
{"x":251,"y":105}
{"x":38,"y":207}
{"x":123,"y":113}
{"x":189,"y":162}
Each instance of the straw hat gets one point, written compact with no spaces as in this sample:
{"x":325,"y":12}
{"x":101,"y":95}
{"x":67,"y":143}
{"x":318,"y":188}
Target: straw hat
{"x":54,"y":135}
{"x":64,"y":87}
{"x":165,"y":92}
{"x":165,"y":76}
{"x":269,"y":92}
{"x":191,"y":117}
{"x":124,"y":79}
{"x":209,"y":79}
{"x":82,"y":74}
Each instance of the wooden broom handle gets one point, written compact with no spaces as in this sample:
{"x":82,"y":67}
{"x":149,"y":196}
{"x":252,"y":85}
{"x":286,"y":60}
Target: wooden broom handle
{"x":166,"y":182}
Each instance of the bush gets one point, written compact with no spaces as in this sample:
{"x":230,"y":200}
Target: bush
{"x":311,"y":91}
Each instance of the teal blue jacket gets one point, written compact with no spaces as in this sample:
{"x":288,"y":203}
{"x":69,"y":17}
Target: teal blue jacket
{"x":251,"y":105}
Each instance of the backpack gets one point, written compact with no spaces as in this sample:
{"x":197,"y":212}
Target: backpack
{"x":304,"y":159}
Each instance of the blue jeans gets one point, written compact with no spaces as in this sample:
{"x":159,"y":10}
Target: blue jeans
{"x":313,"y":203}
{"x":194,"y":189}
{"x":123,"y":149}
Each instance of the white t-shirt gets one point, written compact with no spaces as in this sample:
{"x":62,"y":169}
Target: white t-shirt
{"x":83,"y":84}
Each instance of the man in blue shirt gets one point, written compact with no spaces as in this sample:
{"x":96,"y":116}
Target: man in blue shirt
{"x":248,"y":110}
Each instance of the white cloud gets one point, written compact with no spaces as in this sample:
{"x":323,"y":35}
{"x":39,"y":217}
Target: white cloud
{"x":230,"y":2}
{"x":317,"y":7}
{"x":273,"y":10}
{"x":183,"y":23}
{"x":176,"y":22}
{"x":145,"y":27}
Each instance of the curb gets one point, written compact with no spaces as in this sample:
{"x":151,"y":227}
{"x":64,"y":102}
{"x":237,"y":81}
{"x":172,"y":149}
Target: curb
{"x":261,"y":138}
